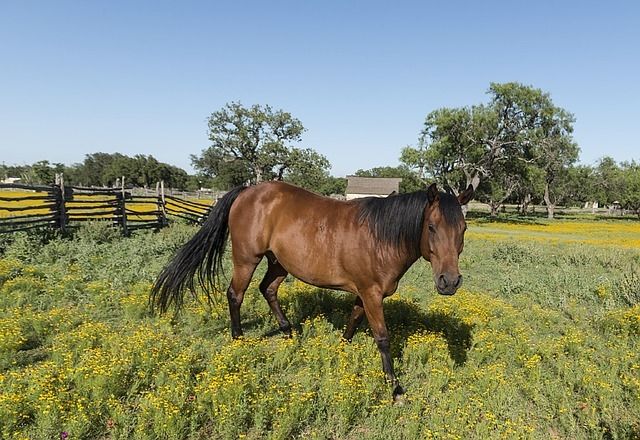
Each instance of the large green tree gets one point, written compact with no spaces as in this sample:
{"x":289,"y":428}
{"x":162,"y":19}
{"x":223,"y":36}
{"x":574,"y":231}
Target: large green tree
{"x":555,"y":152}
{"x":249,"y":144}
{"x":497,"y":142}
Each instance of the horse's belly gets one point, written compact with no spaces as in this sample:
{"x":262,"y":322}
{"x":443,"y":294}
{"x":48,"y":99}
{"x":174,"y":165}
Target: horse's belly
{"x":318,"y":270}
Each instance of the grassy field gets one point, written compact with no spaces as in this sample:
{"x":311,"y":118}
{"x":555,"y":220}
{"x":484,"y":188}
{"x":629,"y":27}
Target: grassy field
{"x":542,"y":342}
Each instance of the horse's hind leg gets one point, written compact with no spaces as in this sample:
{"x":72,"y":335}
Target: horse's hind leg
{"x":242,"y":274}
{"x":269,"y":288}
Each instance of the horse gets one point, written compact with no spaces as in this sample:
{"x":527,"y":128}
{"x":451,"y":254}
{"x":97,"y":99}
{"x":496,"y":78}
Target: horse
{"x":363,"y":246}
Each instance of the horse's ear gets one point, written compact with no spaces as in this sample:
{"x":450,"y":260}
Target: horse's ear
{"x":432,"y":193}
{"x":465,"y":196}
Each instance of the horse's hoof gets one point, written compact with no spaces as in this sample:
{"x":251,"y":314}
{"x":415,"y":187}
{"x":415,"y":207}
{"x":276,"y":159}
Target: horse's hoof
{"x":287,"y":332}
{"x":399,"y":395}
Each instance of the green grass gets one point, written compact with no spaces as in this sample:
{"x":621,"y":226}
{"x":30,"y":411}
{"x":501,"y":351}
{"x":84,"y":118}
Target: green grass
{"x":542,"y":342}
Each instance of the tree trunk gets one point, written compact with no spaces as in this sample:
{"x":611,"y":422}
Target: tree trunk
{"x":551,"y":206}
{"x":494,"y":208}
{"x":550,"y":211}
{"x":525,"y":204}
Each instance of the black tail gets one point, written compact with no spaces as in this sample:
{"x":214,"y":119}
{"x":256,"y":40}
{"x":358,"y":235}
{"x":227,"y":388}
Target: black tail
{"x":201,"y":256}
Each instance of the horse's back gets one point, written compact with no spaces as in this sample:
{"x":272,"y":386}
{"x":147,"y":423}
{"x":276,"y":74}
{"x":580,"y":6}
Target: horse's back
{"x":309,"y":234}
{"x":273,"y":207}
{"x":279,"y":199}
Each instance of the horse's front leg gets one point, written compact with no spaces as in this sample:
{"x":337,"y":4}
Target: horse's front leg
{"x":372,"y":301}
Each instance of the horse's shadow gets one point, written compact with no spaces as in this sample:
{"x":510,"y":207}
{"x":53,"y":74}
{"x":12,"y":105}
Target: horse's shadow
{"x":403,"y":319}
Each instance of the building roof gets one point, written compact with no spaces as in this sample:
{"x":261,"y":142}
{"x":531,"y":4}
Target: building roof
{"x":372,"y":185}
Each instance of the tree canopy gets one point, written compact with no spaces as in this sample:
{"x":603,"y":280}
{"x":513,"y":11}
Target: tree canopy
{"x":257,"y":143}
{"x":499,"y":146}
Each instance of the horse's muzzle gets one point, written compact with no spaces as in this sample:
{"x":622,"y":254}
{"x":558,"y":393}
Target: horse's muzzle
{"x":448,"y":284}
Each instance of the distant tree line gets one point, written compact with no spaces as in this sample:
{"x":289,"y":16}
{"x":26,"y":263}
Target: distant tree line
{"x":105,"y":169}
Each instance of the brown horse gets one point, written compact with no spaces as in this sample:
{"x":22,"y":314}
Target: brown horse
{"x":361,"y":246}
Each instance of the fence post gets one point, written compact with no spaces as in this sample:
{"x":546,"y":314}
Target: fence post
{"x":123,"y":207}
{"x":162,"y":213}
{"x":60,"y":201}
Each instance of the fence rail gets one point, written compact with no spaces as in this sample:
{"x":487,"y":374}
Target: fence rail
{"x":57,"y":206}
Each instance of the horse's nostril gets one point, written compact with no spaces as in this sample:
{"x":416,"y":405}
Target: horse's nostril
{"x":459,"y":281}
{"x":442,"y":281}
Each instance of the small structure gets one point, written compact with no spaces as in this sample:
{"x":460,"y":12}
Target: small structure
{"x":358,"y":187}
{"x":12,"y":180}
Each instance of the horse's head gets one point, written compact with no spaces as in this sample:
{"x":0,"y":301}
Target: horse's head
{"x":443,"y":237}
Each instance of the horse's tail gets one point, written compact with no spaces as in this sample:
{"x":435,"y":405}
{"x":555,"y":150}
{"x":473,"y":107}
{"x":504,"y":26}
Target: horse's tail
{"x":201,"y":256}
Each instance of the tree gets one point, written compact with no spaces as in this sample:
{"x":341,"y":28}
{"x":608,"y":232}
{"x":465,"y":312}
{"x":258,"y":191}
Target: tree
{"x":45,"y":173}
{"x":630,"y":185}
{"x":556,"y":151}
{"x":305,"y":168}
{"x":118,"y":166}
{"x":607,"y":178}
{"x":12,"y":170}
{"x":255,"y":140}
{"x":417,"y":159}
{"x":495,"y":141}
{"x":225,"y":173}
{"x":93,"y":169}
{"x":333,"y":185}
{"x":444,"y":148}
{"x":580,"y":185}
{"x":506,"y":178}
{"x":530,"y":187}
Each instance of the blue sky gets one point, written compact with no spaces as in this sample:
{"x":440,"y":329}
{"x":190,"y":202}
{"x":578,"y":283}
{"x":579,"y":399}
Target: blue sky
{"x":142,"y":77}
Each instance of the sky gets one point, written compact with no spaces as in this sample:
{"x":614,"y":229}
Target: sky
{"x":140,"y":77}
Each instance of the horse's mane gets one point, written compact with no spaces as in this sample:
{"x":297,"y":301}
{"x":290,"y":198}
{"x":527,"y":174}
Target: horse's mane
{"x":397,"y":219}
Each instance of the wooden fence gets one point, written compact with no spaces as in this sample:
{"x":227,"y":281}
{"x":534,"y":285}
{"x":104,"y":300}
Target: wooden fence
{"x":24,"y":207}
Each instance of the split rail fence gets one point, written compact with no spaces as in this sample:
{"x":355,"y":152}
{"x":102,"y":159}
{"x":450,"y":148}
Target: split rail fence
{"x":24,"y":207}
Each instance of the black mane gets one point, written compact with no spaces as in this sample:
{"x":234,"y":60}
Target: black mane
{"x":398,"y":219}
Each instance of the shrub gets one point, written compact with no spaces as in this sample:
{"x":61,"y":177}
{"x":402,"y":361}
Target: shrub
{"x":515,"y":253}
{"x":97,"y":232}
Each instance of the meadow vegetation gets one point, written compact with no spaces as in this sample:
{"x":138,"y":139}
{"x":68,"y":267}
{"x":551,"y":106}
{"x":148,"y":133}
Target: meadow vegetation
{"x":542,"y":342}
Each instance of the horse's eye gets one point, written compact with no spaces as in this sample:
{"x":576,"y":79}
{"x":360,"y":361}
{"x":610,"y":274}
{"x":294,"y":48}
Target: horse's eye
{"x":432,"y":228}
